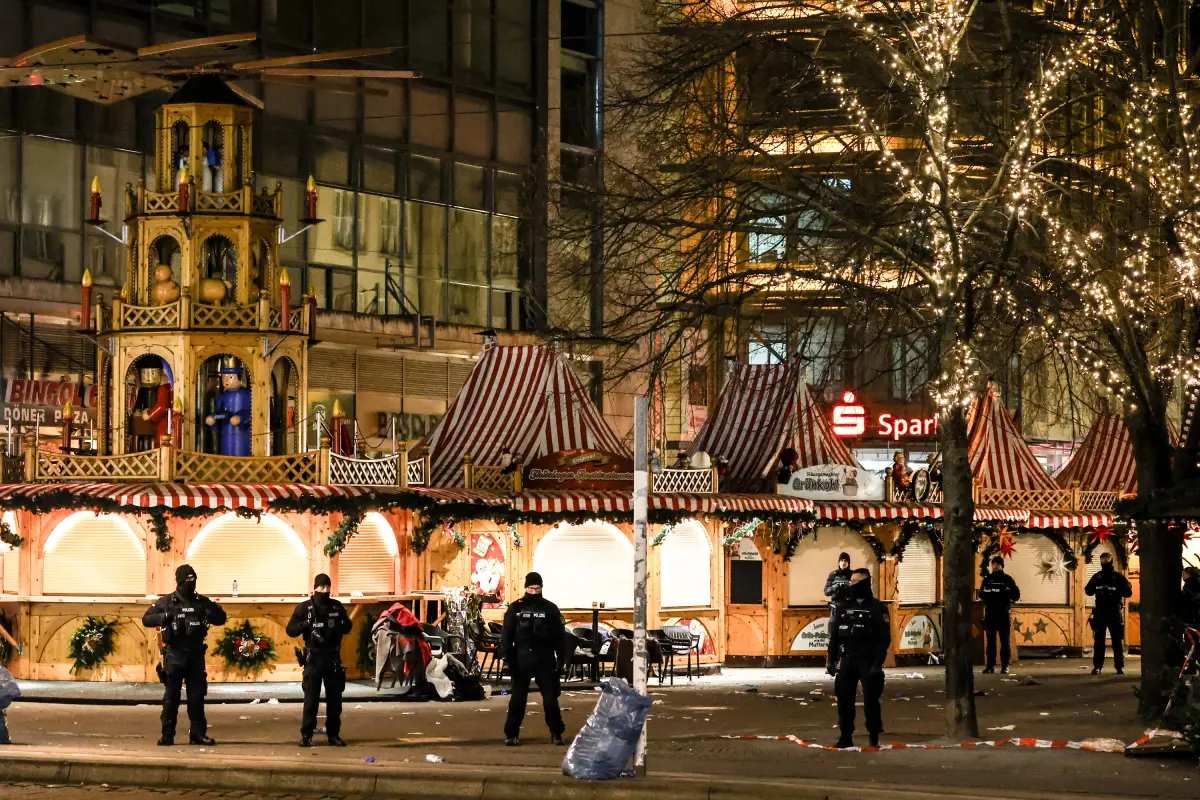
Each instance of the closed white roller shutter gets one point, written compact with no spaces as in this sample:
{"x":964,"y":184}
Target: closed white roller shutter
{"x":89,"y":554}
{"x":918,"y":572}
{"x":331,"y":369}
{"x":1032,"y":549}
{"x":817,"y":556}
{"x":265,"y":557}
{"x":685,"y":578}
{"x":380,"y":372}
{"x":1093,"y":566}
{"x":10,"y":560}
{"x":368,"y":564}
{"x":585,"y":564}
{"x":425,"y":378}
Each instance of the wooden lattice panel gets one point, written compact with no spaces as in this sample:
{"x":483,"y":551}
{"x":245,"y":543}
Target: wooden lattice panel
{"x":150,"y":316}
{"x":205,"y":468}
{"x":129,"y":467}
{"x":491,"y":479}
{"x":226,"y":202}
{"x":264,"y":204}
{"x":1098,"y":501}
{"x":161,"y":202}
{"x":1031,"y":499}
{"x":224,"y":317}
{"x":345,"y":471}
{"x":13,"y":470}
{"x":417,"y":470}
{"x":686,"y":481}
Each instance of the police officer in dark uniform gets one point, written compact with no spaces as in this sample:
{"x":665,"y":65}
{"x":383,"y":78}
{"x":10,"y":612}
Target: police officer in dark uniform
{"x":532,"y":645}
{"x":998,"y":591}
{"x":835,"y":586}
{"x":1110,"y":588}
{"x":184,"y":618}
{"x":322,"y":621}
{"x":860,"y":634}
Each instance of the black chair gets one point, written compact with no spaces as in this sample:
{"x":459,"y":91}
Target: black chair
{"x":580,"y":653}
{"x":493,"y":660}
{"x":676,"y":640}
{"x":436,"y":637}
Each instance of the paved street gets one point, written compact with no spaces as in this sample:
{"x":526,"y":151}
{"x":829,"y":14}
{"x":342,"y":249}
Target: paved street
{"x":686,"y":729}
{"x":31,"y":791}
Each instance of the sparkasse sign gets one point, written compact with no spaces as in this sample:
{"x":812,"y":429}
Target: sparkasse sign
{"x":850,"y":419}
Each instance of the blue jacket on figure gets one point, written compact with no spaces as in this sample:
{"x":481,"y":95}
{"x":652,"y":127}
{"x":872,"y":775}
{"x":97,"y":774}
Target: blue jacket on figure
{"x":232,"y":415}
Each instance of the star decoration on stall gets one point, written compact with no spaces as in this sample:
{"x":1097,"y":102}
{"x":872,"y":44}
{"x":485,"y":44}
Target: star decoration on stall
{"x":1027,"y":635}
{"x":1052,"y":568}
{"x":1041,"y":625}
{"x":1017,"y":625}
{"x":1100,"y":535}
{"x":1003,"y":540}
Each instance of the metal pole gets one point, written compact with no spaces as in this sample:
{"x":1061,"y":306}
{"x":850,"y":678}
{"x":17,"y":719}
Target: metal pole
{"x":641,"y":548}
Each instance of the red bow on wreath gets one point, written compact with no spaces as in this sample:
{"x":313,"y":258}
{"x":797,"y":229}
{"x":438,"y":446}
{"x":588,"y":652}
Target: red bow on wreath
{"x":1004,"y":541}
{"x":1100,"y":535}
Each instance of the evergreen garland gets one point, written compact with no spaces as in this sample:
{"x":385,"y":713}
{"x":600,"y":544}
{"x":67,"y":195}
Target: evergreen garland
{"x":244,"y":648}
{"x":9,"y":536}
{"x":342,"y":534}
{"x":92,"y":643}
{"x":911,"y":528}
{"x":162,"y":534}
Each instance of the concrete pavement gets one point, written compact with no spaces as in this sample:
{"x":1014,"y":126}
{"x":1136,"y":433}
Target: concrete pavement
{"x":257,"y":750}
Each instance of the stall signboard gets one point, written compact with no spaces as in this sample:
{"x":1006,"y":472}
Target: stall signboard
{"x":39,"y":401}
{"x":833,"y":482}
{"x":921,"y":634}
{"x":580,"y":469}
{"x":745,"y":550}
{"x":813,"y":637}
{"x":704,"y":642}
{"x":487,"y":566}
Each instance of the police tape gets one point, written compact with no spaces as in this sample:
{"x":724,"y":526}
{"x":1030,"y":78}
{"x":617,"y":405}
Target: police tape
{"x":1088,"y":745}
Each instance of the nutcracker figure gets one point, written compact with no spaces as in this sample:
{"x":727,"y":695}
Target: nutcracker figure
{"x":232,"y":417}
{"x":151,"y":406}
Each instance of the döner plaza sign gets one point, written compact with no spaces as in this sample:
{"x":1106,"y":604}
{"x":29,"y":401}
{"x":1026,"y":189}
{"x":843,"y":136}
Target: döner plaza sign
{"x":850,"y":420}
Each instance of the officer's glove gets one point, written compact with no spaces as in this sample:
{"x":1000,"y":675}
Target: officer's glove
{"x":877,"y":671}
{"x":831,"y":668}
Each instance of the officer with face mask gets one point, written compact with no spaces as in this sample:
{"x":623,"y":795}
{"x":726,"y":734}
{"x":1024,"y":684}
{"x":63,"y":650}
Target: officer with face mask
{"x":860,"y":634}
{"x":322,"y":621}
{"x":184,"y":618}
{"x":532,"y":646}
{"x":998,"y":591}
{"x":1110,"y":588}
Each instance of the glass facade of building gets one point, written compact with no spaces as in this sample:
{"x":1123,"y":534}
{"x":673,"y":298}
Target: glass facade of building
{"x":421,"y":182}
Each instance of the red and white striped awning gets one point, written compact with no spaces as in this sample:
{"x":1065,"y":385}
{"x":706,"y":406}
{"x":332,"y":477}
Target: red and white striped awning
{"x":1104,"y":462}
{"x":1067,"y":519}
{"x":848,"y":510}
{"x":526,"y":400}
{"x":1000,"y":514}
{"x":695,"y":503}
{"x":999,"y":457}
{"x":478,"y":496}
{"x":763,"y":410}
{"x":762,"y":502}
{"x":595,"y":501}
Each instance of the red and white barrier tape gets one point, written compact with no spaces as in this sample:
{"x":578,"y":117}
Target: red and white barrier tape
{"x":1089,"y":745}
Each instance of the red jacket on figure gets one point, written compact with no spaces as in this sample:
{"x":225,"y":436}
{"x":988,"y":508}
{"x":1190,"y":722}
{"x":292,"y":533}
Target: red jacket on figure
{"x":158,"y":413}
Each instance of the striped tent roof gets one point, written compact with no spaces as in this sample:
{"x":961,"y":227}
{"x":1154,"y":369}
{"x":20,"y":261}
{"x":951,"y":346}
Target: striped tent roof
{"x":1104,"y":462}
{"x":762,"y":410}
{"x":526,"y":400}
{"x":1000,"y":458}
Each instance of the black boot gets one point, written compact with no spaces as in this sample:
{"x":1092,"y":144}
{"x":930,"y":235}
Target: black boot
{"x":557,"y":740}
{"x":511,"y":741}
{"x":336,"y":741}
{"x":845,"y":741}
{"x":166,"y":741}
{"x":306,"y":741}
{"x":874,"y":740}
{"x":201,"y":740}
{"x":988,"y":670}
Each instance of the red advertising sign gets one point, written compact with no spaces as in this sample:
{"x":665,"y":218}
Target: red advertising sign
{"x":40,"y":401}
{"x":850,"y":419}
{"x":487,"y":566}
{"x":580,"y":469}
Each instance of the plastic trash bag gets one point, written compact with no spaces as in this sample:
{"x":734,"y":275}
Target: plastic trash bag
{"x":9,"y":690}
{"x":606,"y":742}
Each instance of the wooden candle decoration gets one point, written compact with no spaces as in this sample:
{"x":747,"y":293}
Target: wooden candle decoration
{"x":311,"y":299}
{"x":183,"y":190}
{"x":94,"y":202}
{"x":85,"y":301}
{"x":285,"y":300}
{"x":68,"y":412}
{"x":336,"y":423}
{"x":310,"y":200}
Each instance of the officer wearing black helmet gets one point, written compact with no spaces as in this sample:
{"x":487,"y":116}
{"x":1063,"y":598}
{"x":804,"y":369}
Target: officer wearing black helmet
{"x":322,"y":621}
{"x":532,"y":645}
{"x":184,"y":617}
{"x":860,"y":634}
{"x":998,"y":591}
{"x":1110,"y":588}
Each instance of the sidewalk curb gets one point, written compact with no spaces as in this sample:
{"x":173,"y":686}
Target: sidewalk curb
{"x":453,"y":783}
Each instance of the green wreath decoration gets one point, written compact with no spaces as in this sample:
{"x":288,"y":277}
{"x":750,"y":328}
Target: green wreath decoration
{"x":7,"y":651}
{"x":244,"y":648}
{"x":92,"y":643}
{"x":10,"y":537}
